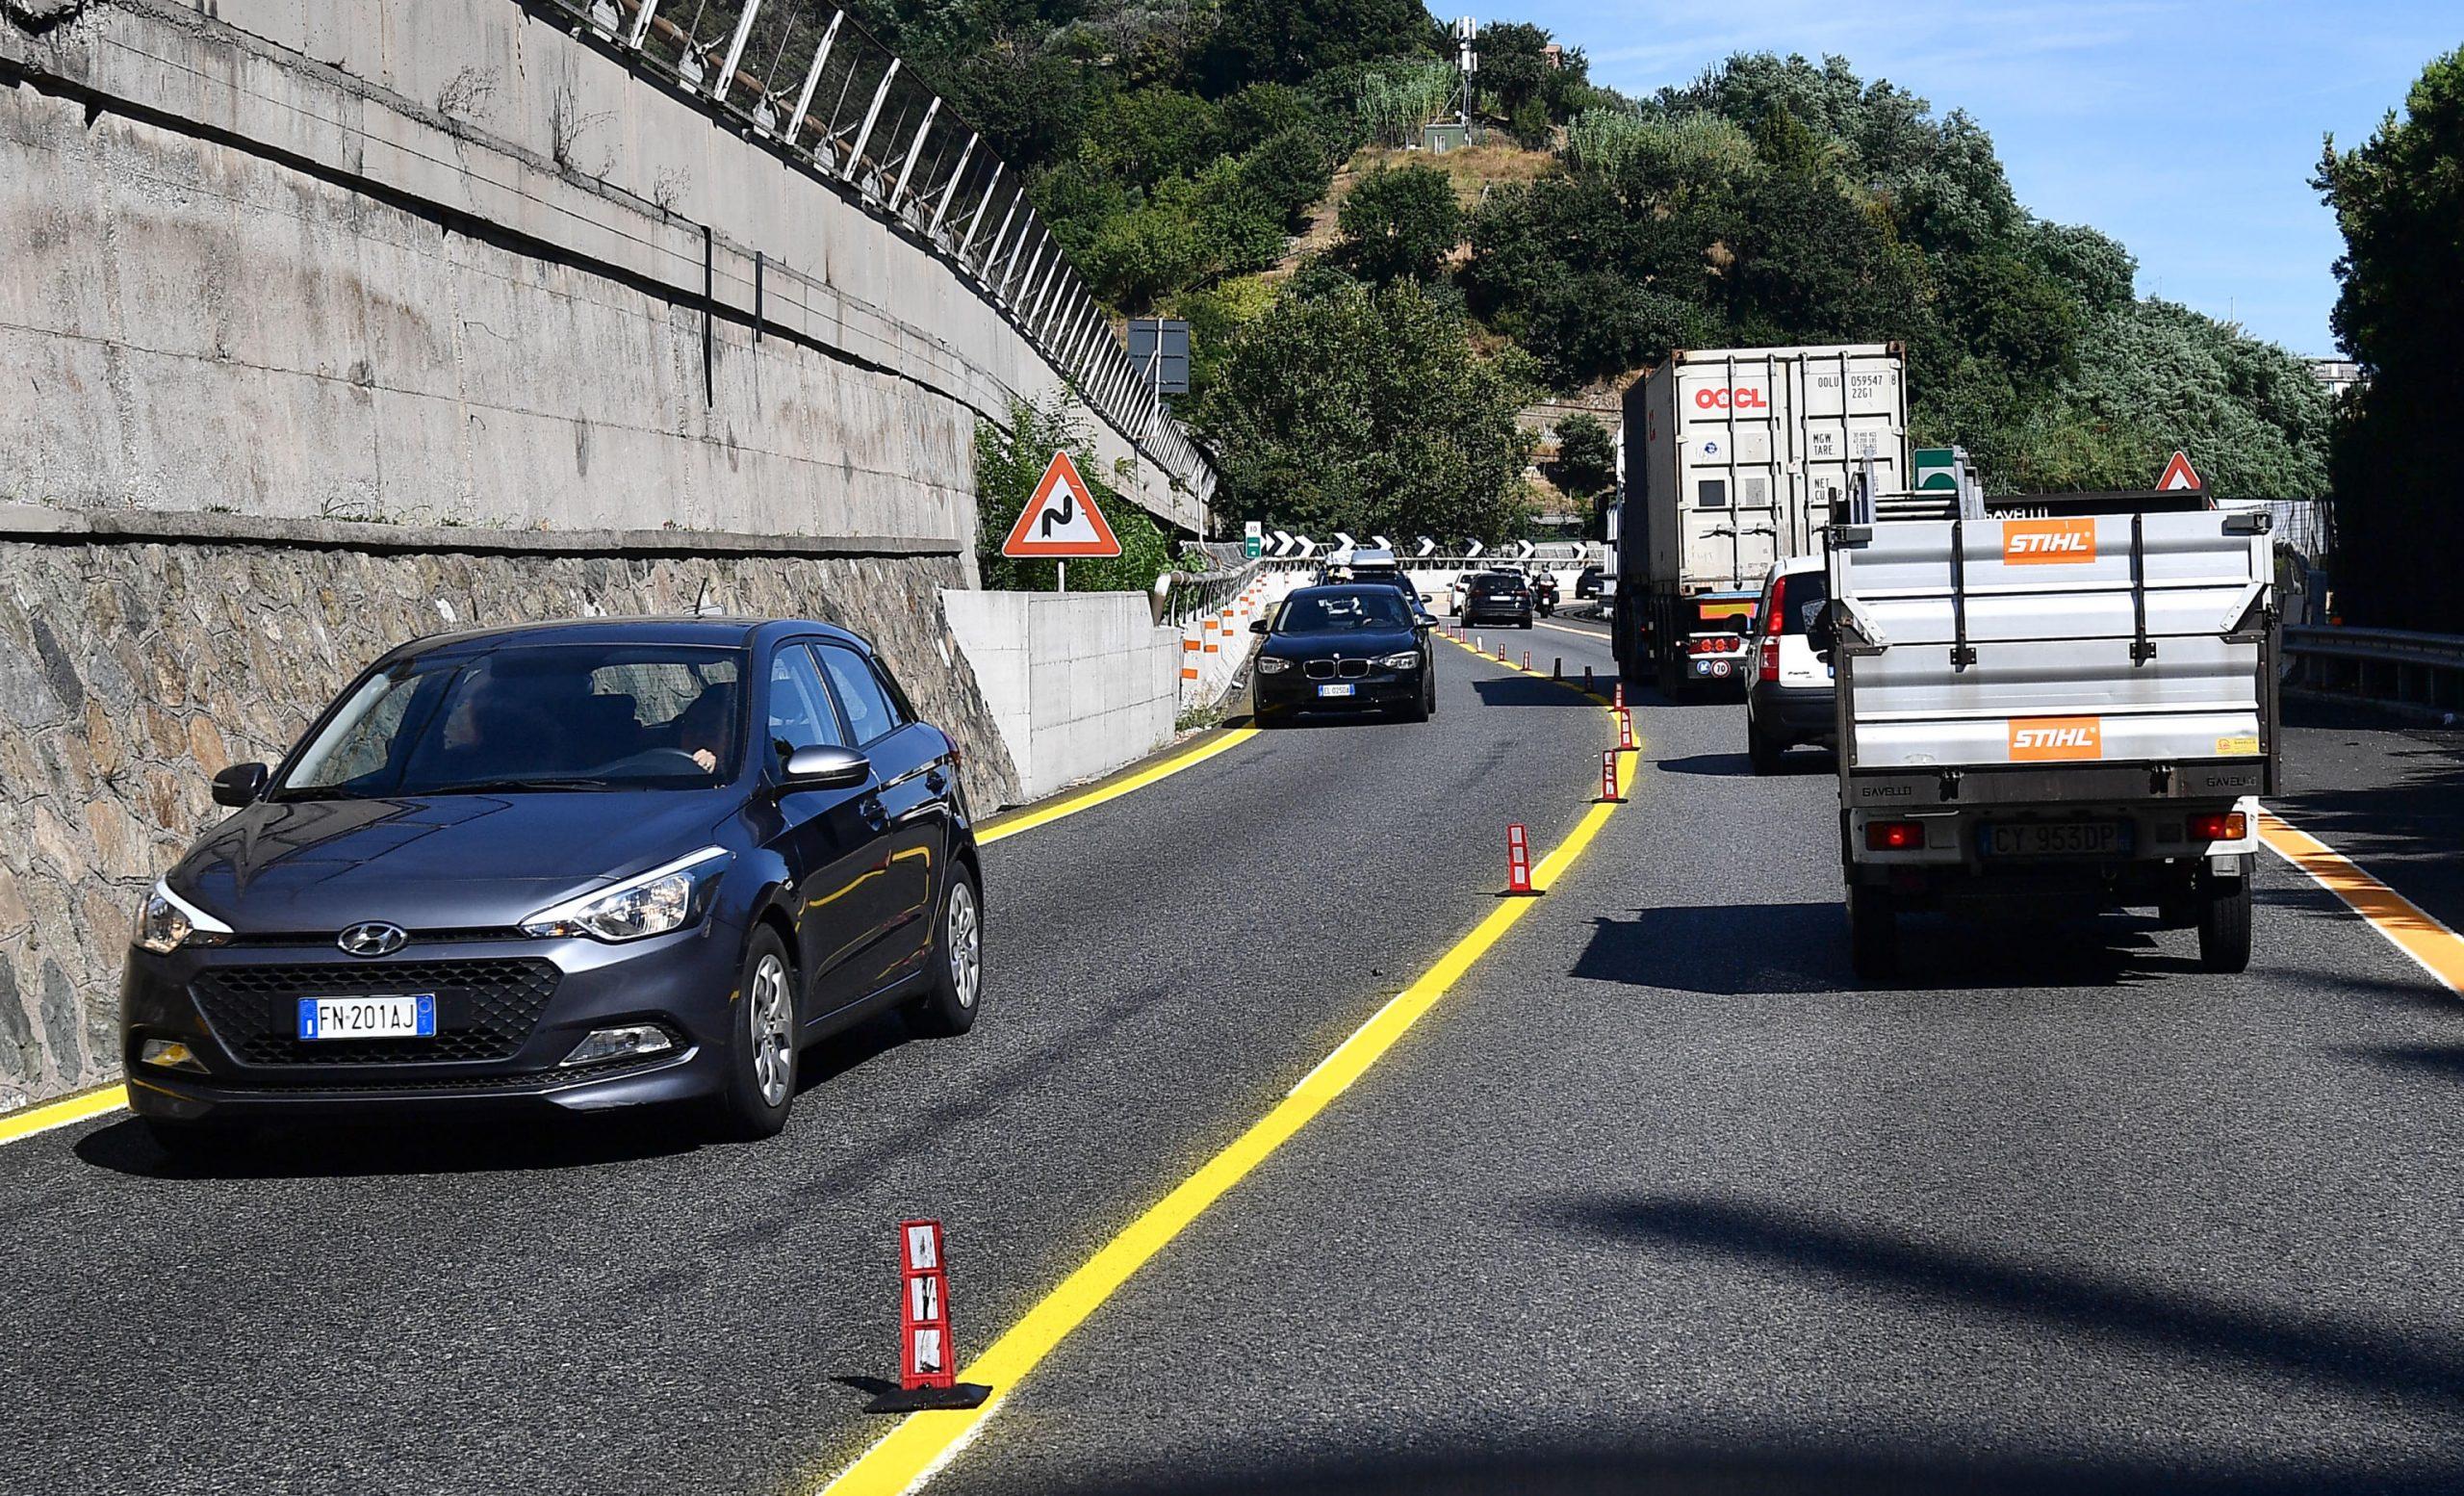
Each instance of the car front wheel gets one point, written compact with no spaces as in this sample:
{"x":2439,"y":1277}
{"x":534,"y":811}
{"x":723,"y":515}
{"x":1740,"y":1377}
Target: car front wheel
{"x":761,"y":1050}
{"x":958,"y":961}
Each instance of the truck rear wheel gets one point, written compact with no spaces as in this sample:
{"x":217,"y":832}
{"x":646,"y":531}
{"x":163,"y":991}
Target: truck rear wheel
{"x":2224,"y":923}
{"x":1873,"y":932}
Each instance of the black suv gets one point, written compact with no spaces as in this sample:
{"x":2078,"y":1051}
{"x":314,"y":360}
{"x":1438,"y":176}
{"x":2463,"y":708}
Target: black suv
{"x":1497,"y":597}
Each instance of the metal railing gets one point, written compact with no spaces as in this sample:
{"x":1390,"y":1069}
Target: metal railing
{"x":1181,"y":597}
{"x":2420,"y":673}
{"x":806,"y":77}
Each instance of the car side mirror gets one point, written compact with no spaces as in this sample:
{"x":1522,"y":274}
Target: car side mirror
{"x":829,"y":767}
{"x":1257,"y":626}
{"x":240,"y":785}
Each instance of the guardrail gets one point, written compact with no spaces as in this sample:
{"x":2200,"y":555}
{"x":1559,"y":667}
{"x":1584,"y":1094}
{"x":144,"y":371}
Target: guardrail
{"x":806,"y":77}
{"x":2420,"y":673}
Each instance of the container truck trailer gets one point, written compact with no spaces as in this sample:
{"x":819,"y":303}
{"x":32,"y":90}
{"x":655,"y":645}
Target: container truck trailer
{"x":1735,"y":458}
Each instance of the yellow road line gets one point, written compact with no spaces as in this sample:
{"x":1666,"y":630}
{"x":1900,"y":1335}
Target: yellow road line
{"x":911,"y":1453}
{"x":2436,"y":948}
{"x":110,"y":1099}
{"x":1537,"y":675}
{"x":1144,"y":777}
{"x":61,"y":1114}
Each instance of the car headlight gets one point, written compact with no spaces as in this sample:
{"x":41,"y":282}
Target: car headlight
{"x":1267,"y":664}
{"x":1409,"y":660}
{"x":655,"y":903}
{"x":167,"y":922}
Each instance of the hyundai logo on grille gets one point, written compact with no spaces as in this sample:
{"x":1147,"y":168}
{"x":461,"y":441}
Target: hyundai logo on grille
{"x":374,"y":937}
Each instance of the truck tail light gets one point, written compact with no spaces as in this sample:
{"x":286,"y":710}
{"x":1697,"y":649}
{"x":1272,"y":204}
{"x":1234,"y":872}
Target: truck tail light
{"x":1894,"y":835}
{"x":2220,"y":826}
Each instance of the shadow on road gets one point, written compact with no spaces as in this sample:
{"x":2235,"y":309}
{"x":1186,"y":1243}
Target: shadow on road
{"x":1523,"y":690}
{"x":2176,"y":1317}
{"x":435,"y":1145}
{"x":1733,"y":950}
{"x":1805,"y":764}
{"x":1774,"y":1462}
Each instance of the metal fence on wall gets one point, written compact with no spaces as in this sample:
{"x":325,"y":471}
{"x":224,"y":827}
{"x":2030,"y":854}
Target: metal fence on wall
{"x":804,"y":75}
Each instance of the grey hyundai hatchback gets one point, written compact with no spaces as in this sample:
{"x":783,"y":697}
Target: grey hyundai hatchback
{"x":578,"y":865}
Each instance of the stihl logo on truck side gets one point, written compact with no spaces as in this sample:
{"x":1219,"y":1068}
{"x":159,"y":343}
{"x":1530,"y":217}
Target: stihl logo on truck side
{"x":2037,"y":740}
{"x":2043,"y":542}
{"x":1731,"y":399}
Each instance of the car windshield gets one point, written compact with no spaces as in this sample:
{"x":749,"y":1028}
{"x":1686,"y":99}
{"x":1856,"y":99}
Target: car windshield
{"x":542,"y":716}
{"x":1368,"y":609}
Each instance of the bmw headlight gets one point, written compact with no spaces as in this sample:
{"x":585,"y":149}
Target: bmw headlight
{"x":663,"y":899}
{"x":167,"y":922}
{"x":1267,"y":664}
{"x":1409,"y":660}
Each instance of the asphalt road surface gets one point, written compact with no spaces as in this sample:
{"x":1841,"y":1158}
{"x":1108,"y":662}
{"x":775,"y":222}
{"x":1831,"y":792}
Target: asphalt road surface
{"x":1655,"y":1198}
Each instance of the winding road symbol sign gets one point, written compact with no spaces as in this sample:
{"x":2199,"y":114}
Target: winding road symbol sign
{"x":1061,"y":521}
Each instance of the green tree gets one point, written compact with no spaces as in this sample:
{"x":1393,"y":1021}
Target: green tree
{"x":1010,"y":462}
{"x":1365,"y":409}
{"x":2397,"y":445}
{"x":1585,"y":466}
{"x":1287,"y":41}
{"x":1398,"y":224}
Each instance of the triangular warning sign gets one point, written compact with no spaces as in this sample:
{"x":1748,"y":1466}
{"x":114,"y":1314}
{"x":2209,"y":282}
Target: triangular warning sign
{"x":1061,"y":521}
{"x":2178,"y":476}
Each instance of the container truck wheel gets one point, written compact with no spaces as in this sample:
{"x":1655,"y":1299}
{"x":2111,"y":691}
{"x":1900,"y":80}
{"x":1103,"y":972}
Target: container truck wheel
{"x":2224,"y":923}
{"x":1873,"y":932}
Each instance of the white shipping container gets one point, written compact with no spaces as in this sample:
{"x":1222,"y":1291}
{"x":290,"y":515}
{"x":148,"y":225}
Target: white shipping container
{"x":1738,"y":457}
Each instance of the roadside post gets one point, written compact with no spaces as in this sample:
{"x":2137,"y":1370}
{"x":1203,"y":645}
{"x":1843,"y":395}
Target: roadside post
{"x":1608,"y":795}
{"x":1518,"y":860}
{"x":927,"y":1350}
{"x":1624,"y":730}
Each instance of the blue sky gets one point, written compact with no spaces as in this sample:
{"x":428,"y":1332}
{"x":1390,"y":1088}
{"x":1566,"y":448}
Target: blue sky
{"x":2188,"y":131}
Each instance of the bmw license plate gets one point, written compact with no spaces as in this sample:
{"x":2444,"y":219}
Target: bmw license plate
{"x":1343,"y":689}
{"x":407,"y":1016}
{"x":2056,"y":839}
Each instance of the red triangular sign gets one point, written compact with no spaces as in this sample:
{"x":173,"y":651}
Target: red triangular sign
{"x":2178,"y":476}
{"x":1061,"y":521}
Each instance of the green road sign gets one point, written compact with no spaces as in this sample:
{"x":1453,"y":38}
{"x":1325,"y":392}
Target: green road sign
{"x":1938,"y":468}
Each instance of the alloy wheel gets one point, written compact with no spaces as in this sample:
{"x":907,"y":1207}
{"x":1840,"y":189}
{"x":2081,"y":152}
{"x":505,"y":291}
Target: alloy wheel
{"x":964,"y":938}
{"x":770,"y":1015}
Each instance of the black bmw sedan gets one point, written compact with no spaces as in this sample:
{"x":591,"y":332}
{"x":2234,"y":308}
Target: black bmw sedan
{"x":580,"y":865}
{"x":1358,"y":648}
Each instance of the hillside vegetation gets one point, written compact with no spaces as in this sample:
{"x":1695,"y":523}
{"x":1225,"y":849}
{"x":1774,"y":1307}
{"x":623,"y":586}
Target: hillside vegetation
{"x":1358,"y":361}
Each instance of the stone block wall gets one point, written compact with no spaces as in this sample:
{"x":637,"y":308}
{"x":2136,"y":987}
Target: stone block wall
{"x":130,"y":670}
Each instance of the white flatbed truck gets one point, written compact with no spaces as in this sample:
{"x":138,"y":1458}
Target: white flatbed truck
{"x":2064,"y":713}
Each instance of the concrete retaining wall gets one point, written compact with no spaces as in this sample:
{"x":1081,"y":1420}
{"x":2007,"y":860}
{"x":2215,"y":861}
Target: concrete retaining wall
{"x":444,"y":262}
{"x":1080,"y":685}
{"x":132,"y":668}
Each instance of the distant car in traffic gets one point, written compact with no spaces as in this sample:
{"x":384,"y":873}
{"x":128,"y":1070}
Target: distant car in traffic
{"x":1497,"y":597}
{"x":1588,"y":582}
{"x":1354,"y":648}
{"x":1372,"y":566}
{"x":1788,"y":699}
{"x":578,"y":867}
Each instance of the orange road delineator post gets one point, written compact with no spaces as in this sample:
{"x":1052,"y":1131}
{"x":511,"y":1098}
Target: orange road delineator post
{"x":1608,"y":795}
{"x":1500,"y":654}
{"x":1620,"y":702}
{"x":1624,"y":730}
{"x":1586,"y":679}
{"x":1526,"y":660}
{"x":1518,"y":860}
{"x":1556,"y":667}
{"x":928,"y":1353}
